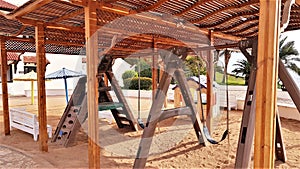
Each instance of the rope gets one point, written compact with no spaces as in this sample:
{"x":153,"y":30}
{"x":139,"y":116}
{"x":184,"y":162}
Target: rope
{"x":205,"y":129}
{"x":140,"y":121}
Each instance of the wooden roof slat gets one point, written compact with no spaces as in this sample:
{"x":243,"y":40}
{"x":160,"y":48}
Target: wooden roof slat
{"x":225,"y":9}
{"x":149,"y":8}
{"x":199,"y":3}
{"x":69,"y":15}
{"x":237,"y":15}
{"x":32,"y":5}
{"x":252,"y":18}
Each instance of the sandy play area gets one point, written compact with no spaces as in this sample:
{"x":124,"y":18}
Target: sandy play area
{"x":174,"y":145}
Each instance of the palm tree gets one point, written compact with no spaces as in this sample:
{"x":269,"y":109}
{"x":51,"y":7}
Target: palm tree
{"x":242,"y":68}
{"x":287,"y":53}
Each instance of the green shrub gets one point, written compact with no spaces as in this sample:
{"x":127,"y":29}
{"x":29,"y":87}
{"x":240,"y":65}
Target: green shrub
{"x":129,"y":74}
{"x":145,"y":69}
{"x":133,"y":83}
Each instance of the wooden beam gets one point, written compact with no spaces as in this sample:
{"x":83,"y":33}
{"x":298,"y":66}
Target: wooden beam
{"x":92,"y":83}
{"x":4,"y":87}
{"x":41,"y":68}
{"x":29,"y":8}
{"x":151,"y":7}
{"x":286,"y":14}
{"x":217,"y":47}
{"x":266,"y":83}
{"x":64,"y":27}
{"x":298,"y":2}
{"x":159,"y":20}
{"x":226,"y":8}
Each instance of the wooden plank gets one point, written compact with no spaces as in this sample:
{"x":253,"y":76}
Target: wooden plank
{"x":189,"y":102}
{"x":41,"y":68}
{"x":209,"y":76}
{"x":174,"y":112}
{"x":279,"y":144}
{"x":266,"y":83}
{"x":243,"y":155}
{"x":92,"y":83}
{"x":4,"y":87}
{"x":289,"y":84}
{"x":153,"y":119}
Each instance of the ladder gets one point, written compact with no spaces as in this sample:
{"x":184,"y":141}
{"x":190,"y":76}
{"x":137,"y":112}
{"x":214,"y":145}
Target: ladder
{"x":76,"y":112}
{"x":74,"y":115}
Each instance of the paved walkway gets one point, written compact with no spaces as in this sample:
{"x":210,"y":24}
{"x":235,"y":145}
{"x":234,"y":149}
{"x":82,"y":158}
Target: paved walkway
{"x":12,"y":158}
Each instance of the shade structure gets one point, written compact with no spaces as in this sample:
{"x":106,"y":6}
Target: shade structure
{"x":64,"y":74}
{"x":31,"y":76}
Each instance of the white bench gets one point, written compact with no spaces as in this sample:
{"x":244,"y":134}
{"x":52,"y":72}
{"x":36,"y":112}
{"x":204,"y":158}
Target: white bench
{"x":222,"y":101}
{"x":26,"y":122}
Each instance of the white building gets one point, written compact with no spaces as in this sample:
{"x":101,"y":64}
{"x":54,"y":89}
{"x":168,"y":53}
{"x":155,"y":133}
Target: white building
{"x":27,"y":62}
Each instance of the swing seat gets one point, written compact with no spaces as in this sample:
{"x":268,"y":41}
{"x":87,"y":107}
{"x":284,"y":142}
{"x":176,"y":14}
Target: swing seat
{"x":109,"y":106}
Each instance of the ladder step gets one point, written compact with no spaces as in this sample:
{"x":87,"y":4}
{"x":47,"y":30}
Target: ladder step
{"x":123,"y":118}
{"x":109,"y":105}
{"x":104,"y":89}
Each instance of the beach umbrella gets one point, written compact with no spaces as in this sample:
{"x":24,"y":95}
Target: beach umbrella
{"x":64,"y":74}
{"x":31,"y":76}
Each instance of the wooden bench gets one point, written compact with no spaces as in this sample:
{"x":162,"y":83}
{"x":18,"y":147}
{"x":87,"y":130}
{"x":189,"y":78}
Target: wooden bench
{"x":222,"y":101}
{"x":26,"y":122}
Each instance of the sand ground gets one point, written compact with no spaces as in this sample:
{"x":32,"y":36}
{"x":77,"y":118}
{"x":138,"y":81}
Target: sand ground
{"x":174,"y":146}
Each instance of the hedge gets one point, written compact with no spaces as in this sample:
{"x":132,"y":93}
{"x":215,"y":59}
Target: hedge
{"x":132,"y":83}
{"x":129,"y":74}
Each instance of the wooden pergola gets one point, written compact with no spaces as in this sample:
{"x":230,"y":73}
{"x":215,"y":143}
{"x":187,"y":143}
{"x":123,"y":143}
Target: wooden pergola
{"x":67,"y":27}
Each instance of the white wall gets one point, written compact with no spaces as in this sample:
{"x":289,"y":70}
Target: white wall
{"x":119,"y":67}
{"x":57,"y":61}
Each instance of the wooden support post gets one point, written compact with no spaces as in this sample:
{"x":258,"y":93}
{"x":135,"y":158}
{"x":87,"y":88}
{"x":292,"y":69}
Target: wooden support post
{"x":154,"y":69}
{"x":41,"y":68}
{"x":243,"y":155}
{"x":92,"y":83}
{"x":4,"y":87}
{"x":266,"y":83}
{"x":209,"y":75}
{"x":161,"y":71}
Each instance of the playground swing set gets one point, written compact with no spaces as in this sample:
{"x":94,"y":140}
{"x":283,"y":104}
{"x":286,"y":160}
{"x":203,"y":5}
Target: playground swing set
{"x":76,"y":111}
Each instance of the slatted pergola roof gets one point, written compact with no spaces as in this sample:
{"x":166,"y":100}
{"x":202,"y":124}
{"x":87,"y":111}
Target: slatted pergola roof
{"x":167,"y":22}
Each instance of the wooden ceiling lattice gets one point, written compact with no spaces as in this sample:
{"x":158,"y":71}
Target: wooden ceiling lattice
{"x":168,"y":21}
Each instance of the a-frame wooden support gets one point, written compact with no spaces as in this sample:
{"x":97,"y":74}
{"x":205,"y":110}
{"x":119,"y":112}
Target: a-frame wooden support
{"x":245,"y":143}
{"x":173,"y":67}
